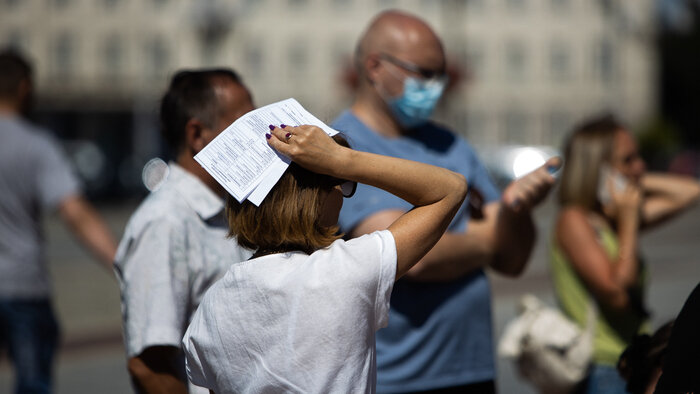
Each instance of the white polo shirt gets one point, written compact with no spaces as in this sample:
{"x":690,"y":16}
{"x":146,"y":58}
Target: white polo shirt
{"x":295,"y":323}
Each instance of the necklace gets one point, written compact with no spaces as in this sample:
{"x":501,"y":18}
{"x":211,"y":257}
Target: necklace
{"x":281,"y":249}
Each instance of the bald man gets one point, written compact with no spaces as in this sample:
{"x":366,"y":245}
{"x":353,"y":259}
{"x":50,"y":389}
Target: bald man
{"x":439,"y":337}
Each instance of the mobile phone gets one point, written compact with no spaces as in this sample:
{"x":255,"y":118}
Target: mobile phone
{"x":619,"y":183}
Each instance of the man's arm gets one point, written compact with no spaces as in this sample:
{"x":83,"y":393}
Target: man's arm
{"x":514,"y":240}
{"x":154,"y":272}
{"x":454,"y":255}
{"x":514,"y":228}
{"x":458,"y":254}
{"x":503,"y":239}
{"x":157,"y":370}
{"x":84,"y":221}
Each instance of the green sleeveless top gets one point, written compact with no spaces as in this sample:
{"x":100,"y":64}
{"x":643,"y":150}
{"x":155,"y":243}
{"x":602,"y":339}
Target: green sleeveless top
{"x":614,"y":330}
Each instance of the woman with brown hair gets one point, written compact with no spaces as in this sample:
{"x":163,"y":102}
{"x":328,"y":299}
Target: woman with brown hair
{"x":605,"y":198}
{"x":300,"y":316}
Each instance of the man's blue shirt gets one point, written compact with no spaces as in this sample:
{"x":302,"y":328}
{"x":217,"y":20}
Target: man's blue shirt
{"x":439,"y":334}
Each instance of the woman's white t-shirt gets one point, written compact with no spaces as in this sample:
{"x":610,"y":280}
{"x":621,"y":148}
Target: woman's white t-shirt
{"x":295,"y":323}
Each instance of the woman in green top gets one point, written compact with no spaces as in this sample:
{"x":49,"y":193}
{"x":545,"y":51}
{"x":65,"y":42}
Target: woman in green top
{"x":605,"y":198}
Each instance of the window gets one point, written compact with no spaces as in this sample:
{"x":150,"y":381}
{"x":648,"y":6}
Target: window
{"x":559,"y":127}
{"x":560,"y":62}
{"x":516,"y":5}
{"x":607,"y":6}
{"x":430,"y":5}
{"x":296,"y":3}
{"x":516,"y":62}
{"x":298,"y":58}
{"x":60,"y":4}
{"x":606,"y":61}
{"x":475,"y":123}
{"x":560,"y":5}
{"x":113,"y":56}
{"x":254,"y":59}
{"x":110,"y":4}
{"x":516,"y":127}
{"x":475,"y":5}
{"x":16,"y":40}
{"x":473,"y":57}
{"x":342,"y":3}
{"x":340,"y":53}
{"x":157,"y":56}
{"x":63,"y":55}
{"x":10,"y":4}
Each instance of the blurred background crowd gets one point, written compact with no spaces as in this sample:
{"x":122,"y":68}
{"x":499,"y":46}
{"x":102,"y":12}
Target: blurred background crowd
{"x":522,"y":73}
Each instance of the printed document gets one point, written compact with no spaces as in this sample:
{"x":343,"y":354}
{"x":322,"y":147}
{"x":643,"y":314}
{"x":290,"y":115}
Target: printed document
{"x":241,"y":160}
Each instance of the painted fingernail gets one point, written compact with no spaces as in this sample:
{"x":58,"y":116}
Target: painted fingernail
{"x":283,"y":125}
{"x":515,"y":204}
{"x":268,"y":135}
{"x":271,"y":127}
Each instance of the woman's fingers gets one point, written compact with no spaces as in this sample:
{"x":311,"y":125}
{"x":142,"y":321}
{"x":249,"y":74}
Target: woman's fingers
{"x":279,"y":132}
{"x":280,"y":138}
{"x":308,"y":146}
{"x":274,"y":139}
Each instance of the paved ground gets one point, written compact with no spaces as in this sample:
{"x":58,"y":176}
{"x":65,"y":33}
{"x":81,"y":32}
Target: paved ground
{"x":87,"y":299}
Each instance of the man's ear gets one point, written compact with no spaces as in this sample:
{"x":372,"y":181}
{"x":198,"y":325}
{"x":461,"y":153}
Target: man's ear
{"x":371,"y":64}
{"x":194,"y":135}
{"x":24,"y":95}
{"x":24,"y":88}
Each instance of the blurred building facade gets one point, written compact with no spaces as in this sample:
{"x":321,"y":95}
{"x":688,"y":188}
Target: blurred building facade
{"x":527,"y":69}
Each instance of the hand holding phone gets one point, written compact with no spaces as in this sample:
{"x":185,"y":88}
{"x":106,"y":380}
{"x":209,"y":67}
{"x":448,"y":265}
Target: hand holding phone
{"x":608,"y":179}
{"x":616,"y":193}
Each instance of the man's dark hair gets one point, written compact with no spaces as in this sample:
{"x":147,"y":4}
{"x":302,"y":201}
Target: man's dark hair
{"x":14,"y":68}
{"x":190,"y":95}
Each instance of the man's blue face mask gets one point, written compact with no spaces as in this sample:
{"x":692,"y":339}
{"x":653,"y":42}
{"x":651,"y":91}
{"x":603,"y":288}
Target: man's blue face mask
{"x":417,"y":102}
{"x":420,"y":96}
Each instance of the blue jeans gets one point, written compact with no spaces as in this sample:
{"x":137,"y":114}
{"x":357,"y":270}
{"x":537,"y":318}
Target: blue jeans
{"x":603,"y":379}
{"x":29,"y":332}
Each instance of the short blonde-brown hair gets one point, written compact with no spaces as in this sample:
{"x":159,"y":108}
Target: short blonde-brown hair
{"x":289,"y":218}
{"x":587,"y":149}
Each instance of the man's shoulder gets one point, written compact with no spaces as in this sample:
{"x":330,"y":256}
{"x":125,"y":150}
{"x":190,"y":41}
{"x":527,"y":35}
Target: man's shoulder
{"x":433,"y":135}
{"x":20,"y":131}
{"x":163,"y":205}
{"x":357,"y":133}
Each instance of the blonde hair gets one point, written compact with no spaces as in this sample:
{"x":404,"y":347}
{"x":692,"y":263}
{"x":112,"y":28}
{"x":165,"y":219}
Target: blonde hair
{"x":587,"y":149}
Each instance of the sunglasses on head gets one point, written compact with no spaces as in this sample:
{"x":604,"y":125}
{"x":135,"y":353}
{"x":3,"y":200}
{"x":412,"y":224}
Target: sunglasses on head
{"x":425,"y":73}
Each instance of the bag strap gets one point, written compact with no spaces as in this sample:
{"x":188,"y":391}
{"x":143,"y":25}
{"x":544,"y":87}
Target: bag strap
{"x":591,"y":317}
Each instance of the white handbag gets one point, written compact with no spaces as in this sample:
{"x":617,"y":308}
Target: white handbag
{"x":550,"y":351}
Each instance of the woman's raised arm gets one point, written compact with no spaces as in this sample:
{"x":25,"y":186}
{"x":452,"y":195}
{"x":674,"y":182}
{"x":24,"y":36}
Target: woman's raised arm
{"x":666,"y":195}
{"x":435,"y":192}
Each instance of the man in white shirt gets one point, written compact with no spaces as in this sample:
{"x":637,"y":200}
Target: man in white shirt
{"x":175,"y":244}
